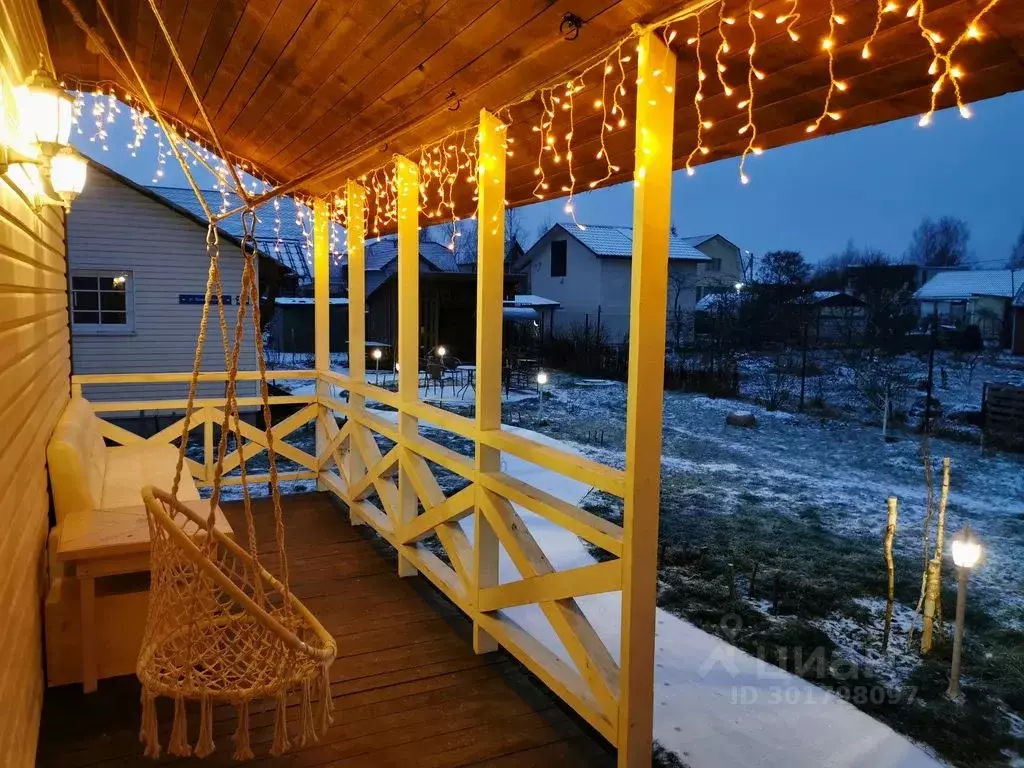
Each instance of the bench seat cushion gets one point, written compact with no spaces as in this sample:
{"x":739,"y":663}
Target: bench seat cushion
{"x":130,"y":467}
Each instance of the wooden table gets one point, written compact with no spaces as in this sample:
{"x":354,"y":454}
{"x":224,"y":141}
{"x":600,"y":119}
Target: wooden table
{"x":109,"y":542}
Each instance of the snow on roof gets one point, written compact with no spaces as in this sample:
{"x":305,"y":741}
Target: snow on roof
{"x":278,"y":233}
{"x":695,"y":240}
{"x":532,"y":300}
{"x":381,"y":252}
{"x":305,"y":300}
{"x":963,"y":284}
{"x":615,"y":241}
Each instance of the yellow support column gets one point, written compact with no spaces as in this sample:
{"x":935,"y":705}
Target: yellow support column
{"x":408,"y":193}
{"x":356,"y":236}
{"x":652,"y":208}
{"x":321,"y":316}
{"x":490,"y":277}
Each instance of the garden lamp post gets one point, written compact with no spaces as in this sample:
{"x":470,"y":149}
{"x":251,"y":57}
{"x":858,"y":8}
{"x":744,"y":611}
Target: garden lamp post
{"x":376,"y":361}
{"x":441,"y":352}
{"x":966,"y":552}
{"x":542,"y":379}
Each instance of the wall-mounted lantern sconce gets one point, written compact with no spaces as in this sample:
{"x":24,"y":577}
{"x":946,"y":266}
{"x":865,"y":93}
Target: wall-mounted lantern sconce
{"x":39,"y":158}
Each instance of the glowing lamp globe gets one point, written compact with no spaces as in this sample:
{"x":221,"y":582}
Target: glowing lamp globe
{"x":738,"y":287}
{"x":542,"y":378}
{"x":376,"y":354}
{"x":966,"y":549}
{"x":441,"y":351}
{"x":45,"y":111}
{"x":67,"y":174}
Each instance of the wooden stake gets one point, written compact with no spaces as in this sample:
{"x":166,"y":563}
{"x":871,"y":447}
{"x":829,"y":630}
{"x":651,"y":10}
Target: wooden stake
{"x":652,"y":210}
{"x":930,"y":600}
{"x":890,"y":535}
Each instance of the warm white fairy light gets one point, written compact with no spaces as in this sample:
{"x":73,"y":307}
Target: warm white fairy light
{"x":698,"y":97}
{"x":942,"y":66}
{"x":790,"y":18}
{"x":571,"y":89}
{"x":828,"y":45}
{"x":606,"y":127}
{"x":883,"y":7}
{"x":99,"y":111}
{"x":723,"y":48}
{"x":750,"y":127}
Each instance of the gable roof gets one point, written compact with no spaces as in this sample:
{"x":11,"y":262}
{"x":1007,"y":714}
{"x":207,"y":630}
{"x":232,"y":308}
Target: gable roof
{"x":380,"y":253}
{"x":963,"y":284}
{"x":278,"y":232}
{"x":610,"y":241}
{"x":193,"y":213}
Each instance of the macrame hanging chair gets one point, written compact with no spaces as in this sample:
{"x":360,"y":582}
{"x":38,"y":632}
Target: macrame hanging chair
{"x":220,"y":628}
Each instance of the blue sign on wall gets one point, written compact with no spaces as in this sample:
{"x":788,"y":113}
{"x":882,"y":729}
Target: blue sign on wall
{"x":197,"y":298}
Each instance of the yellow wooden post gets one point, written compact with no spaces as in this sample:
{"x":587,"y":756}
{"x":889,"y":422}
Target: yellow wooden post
{"x":490,"y":278}
{"x":408,"y":194}
{"x":321,"y":315}
{"x":356,"y":236}
{"x":648,"y":298}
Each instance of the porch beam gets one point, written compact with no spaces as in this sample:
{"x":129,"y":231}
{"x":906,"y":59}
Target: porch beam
{"x":490,"y":278}
{"x":321,"y":312}
{"x":355,"y":227}
{"x":652,"y":209}
{"x":407,"y":193}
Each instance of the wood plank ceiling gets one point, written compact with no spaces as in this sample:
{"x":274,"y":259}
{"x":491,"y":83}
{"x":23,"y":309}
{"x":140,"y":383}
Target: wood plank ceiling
{"x":293,"y":86}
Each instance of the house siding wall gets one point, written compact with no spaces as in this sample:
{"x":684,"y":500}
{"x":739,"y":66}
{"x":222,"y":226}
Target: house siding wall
{"x":594,"y":286}
{"x":113,"y":226}
{"x":579,"y":292}
{"x":34,"y":388}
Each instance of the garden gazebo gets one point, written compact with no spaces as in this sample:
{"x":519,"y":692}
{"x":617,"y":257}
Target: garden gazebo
{"x":386,"y":116}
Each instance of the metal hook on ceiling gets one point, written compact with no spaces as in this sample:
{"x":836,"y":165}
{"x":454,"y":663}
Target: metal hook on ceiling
{"x":570,"y":26}
{"x":458,"y":102}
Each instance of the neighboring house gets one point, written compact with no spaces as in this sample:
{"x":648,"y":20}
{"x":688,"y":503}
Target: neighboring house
{"x":832,"y":318}
{"x":980,"y":297}
{"x":138,"y":270}
{"x":587,"y":271}
{"x":291,"y":329}
{"x":447,"y":297}
{"x":279,"y":233}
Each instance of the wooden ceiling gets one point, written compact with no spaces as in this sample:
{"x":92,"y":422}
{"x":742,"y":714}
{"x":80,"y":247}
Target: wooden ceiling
{"x":293,"y":86}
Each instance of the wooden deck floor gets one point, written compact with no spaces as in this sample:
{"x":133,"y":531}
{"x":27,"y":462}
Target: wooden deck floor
{"x":408,"y":689}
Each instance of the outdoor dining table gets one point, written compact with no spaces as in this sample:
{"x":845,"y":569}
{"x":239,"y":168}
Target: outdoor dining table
{"x":467,"y":373}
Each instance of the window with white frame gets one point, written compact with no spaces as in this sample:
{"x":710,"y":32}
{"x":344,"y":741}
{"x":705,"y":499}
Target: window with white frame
{"x":102,"y":301}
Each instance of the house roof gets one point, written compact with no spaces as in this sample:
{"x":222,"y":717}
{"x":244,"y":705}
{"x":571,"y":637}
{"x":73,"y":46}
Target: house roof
{"x":531,"y":300}
{"x":278,"y":232}
{"x":963,"y":284}
{"x":381,"y":253}
{"x":610,"y":241}
{"x":192,"y":212}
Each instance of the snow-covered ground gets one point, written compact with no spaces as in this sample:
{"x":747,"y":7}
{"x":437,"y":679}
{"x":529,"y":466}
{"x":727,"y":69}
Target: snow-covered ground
{"x":715,"y":706}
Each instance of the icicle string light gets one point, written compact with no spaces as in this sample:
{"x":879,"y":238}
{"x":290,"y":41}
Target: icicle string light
{"x":790,"y":19}
{"x":698,"y":97}
{"x":750,"y":127}
{"x":883,"y":7}
{"x":828,"y":44}
{"x":942,"y":66}
{"x":723,"y":47}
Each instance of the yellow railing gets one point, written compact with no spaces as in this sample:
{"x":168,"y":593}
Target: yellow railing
{"x":350,"y":464}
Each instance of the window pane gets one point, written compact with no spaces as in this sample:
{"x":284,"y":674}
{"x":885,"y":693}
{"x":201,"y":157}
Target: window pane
{"x":88,"y":318}
{"x":113,"y":301}
{"x":83,"y":283}
{"x":106,"y":283}
{"x":113,"y":318}
{"x":86,"y":300}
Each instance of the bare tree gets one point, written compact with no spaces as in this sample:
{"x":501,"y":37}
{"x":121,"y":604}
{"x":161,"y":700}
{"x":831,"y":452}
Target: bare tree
{"x":1017,"y":253}
{"x":680,"y":317}
{"x":783,"y":268}
{"x":941,"y":243}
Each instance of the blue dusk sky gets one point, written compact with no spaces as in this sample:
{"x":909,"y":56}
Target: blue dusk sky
{"x":872,"y":186}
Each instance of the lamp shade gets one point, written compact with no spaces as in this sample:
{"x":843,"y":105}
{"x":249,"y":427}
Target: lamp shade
{"x":45,"y":111}
{"x":67,"y":173}
{"x":26,"y":177}
{"x":966,"y":549}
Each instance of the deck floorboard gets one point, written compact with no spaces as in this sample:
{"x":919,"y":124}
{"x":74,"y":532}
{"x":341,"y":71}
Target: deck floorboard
{"x":408,"y":689}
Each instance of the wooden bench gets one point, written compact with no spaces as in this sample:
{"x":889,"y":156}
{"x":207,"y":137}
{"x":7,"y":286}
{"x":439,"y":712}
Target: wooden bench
{"x":99,"y":549}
